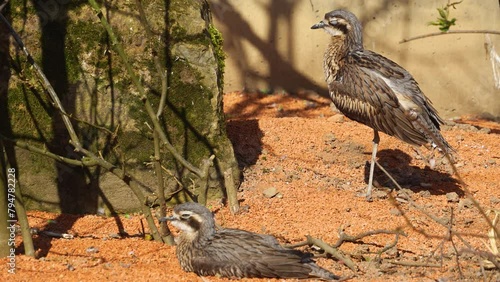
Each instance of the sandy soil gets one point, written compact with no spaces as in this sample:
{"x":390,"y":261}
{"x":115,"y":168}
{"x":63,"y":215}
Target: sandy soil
{"x":315,"y":159}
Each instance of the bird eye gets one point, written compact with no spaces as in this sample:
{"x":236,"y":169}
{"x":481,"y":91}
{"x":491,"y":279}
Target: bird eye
{"x":334,"y":22}
{"x":185,"y":216}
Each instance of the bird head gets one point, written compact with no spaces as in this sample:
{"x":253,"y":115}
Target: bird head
{"x":343,"y":23}
{"x":192,"y":218}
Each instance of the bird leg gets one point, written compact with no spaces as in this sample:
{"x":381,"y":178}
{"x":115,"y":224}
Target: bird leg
{"x":376,"y":140}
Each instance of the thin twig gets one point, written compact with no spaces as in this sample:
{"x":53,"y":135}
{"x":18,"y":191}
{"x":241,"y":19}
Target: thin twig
{"x":84,"y":162}
{"x":156,"y":59}
{"x":389,"y":246}
{"x":3,"y":5}
{"x":389,"y":175}
{"x":413,"y":263}
{"x":450,"y":32}
{"x":165,"y":231}
{"x":46,"y":84}
{"x":450,"y":232}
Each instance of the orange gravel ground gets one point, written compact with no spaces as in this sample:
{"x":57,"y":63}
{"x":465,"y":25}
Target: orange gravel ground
{"x":316,"y":161}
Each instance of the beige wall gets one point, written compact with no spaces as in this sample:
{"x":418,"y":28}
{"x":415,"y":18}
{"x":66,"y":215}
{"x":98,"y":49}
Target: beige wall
{"x":270,"y":46}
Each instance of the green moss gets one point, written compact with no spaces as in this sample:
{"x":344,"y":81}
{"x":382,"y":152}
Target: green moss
{"x":137,"y":149}
{"x":218,"y":43}
{"x":83,"y":37}
{"x":186,"y":116}
{"x":30,"y":119}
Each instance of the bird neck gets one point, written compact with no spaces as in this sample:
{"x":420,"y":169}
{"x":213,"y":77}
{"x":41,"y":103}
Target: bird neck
{"x":334,"y":56}
{"x":338,"y":48}
{"x":354,"y":38}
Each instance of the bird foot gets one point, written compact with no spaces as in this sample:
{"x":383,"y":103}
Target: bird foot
{"x":366,"y":194}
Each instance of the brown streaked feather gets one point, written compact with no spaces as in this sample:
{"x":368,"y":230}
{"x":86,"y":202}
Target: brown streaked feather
{"x":373,"y":90}
{"x":236,"y":253}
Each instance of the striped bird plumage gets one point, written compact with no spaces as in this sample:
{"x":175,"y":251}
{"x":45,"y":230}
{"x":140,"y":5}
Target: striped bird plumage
{"x":233,"y":252}
{"x":375,"y":91}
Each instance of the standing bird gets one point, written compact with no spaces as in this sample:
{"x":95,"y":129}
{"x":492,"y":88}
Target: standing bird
{"x":375,"y":91}
{"x":233,"y":252}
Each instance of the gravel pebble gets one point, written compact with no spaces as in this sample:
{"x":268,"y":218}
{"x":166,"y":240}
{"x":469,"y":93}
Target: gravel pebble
{"x":452,"y":197}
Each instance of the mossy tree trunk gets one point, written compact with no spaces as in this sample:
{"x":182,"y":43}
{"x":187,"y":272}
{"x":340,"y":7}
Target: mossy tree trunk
{"x":194,"y":115}
{"x":107,"y":112}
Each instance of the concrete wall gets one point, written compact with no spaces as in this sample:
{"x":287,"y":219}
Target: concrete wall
{"x":270,"y":46}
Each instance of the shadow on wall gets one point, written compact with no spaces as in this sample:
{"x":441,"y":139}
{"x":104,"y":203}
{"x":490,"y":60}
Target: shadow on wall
{"x":267,"y":45}
{"x":282,"y":73}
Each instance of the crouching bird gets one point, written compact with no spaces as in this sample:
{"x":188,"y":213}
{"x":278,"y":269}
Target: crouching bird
{"x":235,"y":253}
{"x":375,"y":91}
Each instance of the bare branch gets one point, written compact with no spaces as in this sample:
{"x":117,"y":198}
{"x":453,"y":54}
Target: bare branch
{"x":84,"y":162}
{"x":3,"y":5}
{"x":450,"y":32}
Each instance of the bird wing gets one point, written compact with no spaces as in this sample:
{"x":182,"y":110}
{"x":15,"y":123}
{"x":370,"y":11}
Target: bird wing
{"x":400,"y":81}
{"x":375,"y":91}
{"x":238,"y":253}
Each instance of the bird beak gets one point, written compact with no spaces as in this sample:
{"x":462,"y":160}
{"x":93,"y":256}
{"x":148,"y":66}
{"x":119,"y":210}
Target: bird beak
{"x":167,"y":218}
{"x":321,"y":24}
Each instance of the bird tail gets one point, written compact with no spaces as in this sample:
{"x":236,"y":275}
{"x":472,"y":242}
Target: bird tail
{"x":435,"y":138}
{"x":321,"y":273}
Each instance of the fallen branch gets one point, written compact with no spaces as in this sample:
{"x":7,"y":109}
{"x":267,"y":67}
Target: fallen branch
{"x":332,"y":251}
{"x":413,"y":263}
{"x":348,"y":238}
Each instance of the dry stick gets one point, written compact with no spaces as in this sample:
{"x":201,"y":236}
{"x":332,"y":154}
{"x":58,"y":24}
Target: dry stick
{"x":450,"y":235}
{"x":333,"y":251}
{"x":128,"y":179}
{"x":422,"y":210}
{"x":450,"y":32}
{"x":232,"y":196}
{"x":327,"y":248}
{"x":165,"y":231}
{"x":413,"y":263}
{"x":389,"y":246}
{"x":348,"y":238}
{"x":229,"y":181}
{"x":345,"y":238}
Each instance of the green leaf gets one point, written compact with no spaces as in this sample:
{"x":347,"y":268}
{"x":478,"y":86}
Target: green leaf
{"x":442,"y":13}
